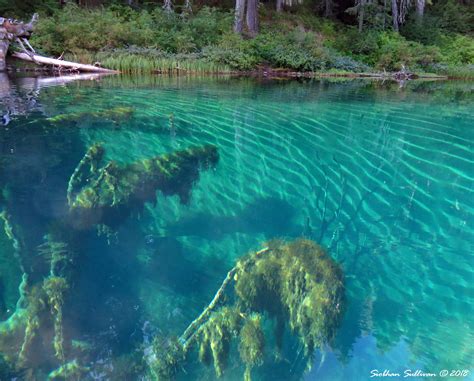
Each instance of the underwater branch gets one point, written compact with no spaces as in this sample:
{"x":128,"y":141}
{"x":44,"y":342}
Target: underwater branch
{"x":186,"y":338}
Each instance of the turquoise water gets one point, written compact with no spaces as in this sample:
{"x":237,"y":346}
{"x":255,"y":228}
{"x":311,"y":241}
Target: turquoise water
{"x":380,"y":175}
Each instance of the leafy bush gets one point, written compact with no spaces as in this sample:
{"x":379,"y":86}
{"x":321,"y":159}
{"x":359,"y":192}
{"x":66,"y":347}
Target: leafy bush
{"x":75,"y":29}
{"x":297,"y":50}
{"x":454,"y":17}
{"x":233,"y":51}
{"x":345,"y":63}
{"x":457,"y":49}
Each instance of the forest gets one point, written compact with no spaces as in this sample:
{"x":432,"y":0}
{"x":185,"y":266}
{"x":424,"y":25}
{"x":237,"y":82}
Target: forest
{"x":326,"y":36}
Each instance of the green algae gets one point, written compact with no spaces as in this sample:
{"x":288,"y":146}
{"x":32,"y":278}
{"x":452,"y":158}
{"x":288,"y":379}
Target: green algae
{"x":108,"y":194}
{"x":297,"y":281}
{"x":35,"y":330}
{"x":292,"y":283}
{"x":72,"y":371}
{"x":115,"y":115}
{"x":252,"y":344}
{"x":55,"y":287}
{"x":168,"y":356}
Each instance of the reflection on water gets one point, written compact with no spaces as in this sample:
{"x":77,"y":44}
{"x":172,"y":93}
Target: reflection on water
{"x":381,"y":176}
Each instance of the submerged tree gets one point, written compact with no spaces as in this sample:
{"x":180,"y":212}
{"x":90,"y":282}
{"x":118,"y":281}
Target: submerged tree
{"x":106,"y":195}
{"x":294,"y":284}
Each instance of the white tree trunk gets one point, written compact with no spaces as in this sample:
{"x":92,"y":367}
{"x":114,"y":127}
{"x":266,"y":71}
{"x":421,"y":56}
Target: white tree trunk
{"x":420,"y":9}
{"x":252,"y":17}
{"x":395,"y":15}
{"x":239,"y":16}
{"x":279,"y":5}
{"x":168,"y":6}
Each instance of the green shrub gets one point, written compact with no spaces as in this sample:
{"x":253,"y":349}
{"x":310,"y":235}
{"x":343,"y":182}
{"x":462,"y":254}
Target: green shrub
{"x":394,"y":51}
{"x":454,"y":17}
{"x":75,"y":29}
{"x":297,"y":50}
{"x":345,"y":63}
{"x":233,"y":51}
{"x":457,"y":50}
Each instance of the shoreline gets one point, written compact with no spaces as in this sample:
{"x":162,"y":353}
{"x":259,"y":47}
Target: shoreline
{"x":265,"y":73}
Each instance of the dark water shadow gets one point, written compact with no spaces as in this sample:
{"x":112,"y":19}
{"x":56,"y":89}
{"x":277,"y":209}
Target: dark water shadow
{"x":270,"y":216}
{"x":169,"y":263}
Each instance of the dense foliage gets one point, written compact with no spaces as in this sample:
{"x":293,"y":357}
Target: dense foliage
{"x":356,"y":37}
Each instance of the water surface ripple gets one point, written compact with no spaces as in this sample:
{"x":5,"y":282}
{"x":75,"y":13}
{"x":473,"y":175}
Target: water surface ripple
{"x":381,"y":176}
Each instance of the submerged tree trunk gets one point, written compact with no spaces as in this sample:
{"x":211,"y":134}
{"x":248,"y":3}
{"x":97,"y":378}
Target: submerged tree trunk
{"x":395,"y":15}
{"x":239,"y":16}
{"x":252,"y":17}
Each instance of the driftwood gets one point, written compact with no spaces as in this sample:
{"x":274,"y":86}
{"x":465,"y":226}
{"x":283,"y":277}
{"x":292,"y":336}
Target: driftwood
{"x":60,"y":63}
{"x":12,"y":31}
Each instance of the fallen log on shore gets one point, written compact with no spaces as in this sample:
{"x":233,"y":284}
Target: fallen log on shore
{"x":16,"y":32}
{"x":61,"y":64}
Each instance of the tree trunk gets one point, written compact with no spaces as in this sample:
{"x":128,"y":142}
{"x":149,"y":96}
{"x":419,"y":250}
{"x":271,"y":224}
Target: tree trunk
{"x":239,"y":16}
{"x":3,"y":53}
{"x":420,"y":10}
{"x":384,"y":13}
{"x":252,"y":17}
{"x":395,"y":15}
{"x":279,"y":5}
{"x":168,"y":6}
{"x":328,"y":8}
{"x":361,"y":14}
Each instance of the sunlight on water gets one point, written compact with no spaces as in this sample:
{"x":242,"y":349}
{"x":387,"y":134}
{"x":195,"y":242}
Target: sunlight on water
{"x":381,"y":176}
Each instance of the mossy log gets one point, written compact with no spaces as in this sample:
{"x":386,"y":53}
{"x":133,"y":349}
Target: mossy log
{"x":108,"y":194}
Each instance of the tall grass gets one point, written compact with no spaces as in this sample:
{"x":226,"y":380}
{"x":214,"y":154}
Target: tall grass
{"x":133,"y":63}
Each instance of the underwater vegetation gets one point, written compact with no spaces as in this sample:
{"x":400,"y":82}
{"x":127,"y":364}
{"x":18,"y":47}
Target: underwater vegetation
{"x":35,"y":331}
{"x":293,"y":284}
{"x":107,"y":194}
{"x":115,"y":115}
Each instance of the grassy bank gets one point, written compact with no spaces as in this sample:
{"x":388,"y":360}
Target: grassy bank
{"x":150,"y":41}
